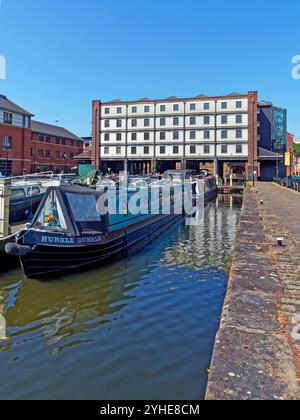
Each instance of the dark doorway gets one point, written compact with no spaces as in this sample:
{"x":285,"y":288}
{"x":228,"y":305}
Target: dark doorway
{"x":112,"y":166}
{"x":139,"y":167}
{"x":166,"y":165}
{"x":6,"y":167}
{"x":268,"y":170}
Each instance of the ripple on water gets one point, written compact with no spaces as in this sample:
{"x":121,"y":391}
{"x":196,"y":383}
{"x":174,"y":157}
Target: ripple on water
{"x":140,"y":328}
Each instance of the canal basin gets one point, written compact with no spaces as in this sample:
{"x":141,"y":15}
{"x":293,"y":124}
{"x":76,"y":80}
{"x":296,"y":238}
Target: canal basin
{"x":141,"y":328}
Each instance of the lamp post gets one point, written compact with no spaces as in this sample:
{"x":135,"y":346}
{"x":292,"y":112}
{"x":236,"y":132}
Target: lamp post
{"x":65,"y":158}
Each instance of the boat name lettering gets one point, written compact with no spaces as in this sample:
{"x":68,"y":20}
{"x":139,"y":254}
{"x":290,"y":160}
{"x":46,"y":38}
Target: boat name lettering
{"x":69,"y":241}
{"x":57,"y":240}
{"x":89,"y":240}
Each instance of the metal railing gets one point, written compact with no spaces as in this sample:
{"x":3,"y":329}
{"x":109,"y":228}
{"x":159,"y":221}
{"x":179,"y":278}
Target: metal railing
{"x":292,"y":182}
{"x":232,"y":182}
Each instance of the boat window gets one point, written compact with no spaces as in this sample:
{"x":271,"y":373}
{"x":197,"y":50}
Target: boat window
{"x":84,"y":207}
{"x":33,"y":191}
{"x":18,"y":193}
{"x":51,"y":216}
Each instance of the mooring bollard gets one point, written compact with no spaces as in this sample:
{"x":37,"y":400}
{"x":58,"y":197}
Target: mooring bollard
{"x":280,"y":241}
{"x":4,"y":207}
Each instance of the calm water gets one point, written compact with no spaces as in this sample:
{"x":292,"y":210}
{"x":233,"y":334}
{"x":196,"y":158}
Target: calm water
{"x":142,"y":328}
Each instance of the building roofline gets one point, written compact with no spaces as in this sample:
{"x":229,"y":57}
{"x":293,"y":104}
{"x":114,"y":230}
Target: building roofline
{"x":271,"y":104}
{"x":85,"y":155}
{"x":51,"y":129}
{"x":265,"y":103}
{"x":174,"y":99}
{"x":11,"y":106}
{"x":264,"y":154}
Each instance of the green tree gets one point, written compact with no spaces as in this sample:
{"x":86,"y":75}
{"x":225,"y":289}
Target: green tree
{"x":297,"y":149}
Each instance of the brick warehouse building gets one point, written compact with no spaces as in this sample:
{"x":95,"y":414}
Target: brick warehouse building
{"x":28,"y":146}
{"x":215,"y":132}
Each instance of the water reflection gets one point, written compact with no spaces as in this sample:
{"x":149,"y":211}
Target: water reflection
{"x":61,"y":309}
{"x":230,"y":200}
{"x":2,"y":327}
{"x":139,"y":328}
{"x":203,"y":245}
{"x":2,"y":320}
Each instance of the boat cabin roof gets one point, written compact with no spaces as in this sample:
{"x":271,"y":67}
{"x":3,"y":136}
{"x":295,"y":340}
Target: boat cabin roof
{"x":77,"y":189}
{"x":73,"y":210}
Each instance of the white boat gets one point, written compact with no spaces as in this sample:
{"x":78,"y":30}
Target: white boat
{"x":27,"y":192}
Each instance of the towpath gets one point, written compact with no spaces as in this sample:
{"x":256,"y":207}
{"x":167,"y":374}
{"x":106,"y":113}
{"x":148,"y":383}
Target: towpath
{"x":257,"y":349}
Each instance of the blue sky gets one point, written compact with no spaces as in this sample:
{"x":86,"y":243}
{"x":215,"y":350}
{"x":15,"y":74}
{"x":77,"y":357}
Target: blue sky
{"x":62,"y":54}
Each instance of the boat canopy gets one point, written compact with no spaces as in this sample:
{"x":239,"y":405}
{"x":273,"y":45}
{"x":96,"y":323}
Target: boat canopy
{"x":70,"y":209}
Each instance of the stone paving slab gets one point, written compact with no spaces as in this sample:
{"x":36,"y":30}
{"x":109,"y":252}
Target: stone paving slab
{"x":257,"y":348}
{"x":251,"y":366}
{"x":252,"y":310}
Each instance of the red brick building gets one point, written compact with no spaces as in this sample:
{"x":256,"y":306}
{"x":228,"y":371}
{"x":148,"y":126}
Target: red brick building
{"x":15,"y":138}
{"x":53,"y":148}
{"x":290,"y":169}
{"x":28,"y":146}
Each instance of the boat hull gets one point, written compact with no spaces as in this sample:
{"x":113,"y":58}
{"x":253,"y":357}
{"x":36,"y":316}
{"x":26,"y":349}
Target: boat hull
{"x":7,"y":261}
{"x":49,"y":262}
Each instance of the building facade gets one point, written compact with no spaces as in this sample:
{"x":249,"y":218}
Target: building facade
{"x":87,"y":142}
{"x":15,"y":137}
{"x":297,"y":157}
{"x":28,"y":146}
{"x":84,"y":159}
{"x":155,"y":135}
{"x":290,"y":161}
{"x":53,"y":148}
{"x":272,"y":136}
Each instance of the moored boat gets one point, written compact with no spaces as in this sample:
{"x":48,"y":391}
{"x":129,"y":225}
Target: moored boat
{"x":24,"y":201}
{"x":27,"y":192}
{"x":70,"y":233}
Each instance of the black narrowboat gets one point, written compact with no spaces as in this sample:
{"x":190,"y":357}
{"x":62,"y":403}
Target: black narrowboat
{"x":68,"y":233}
